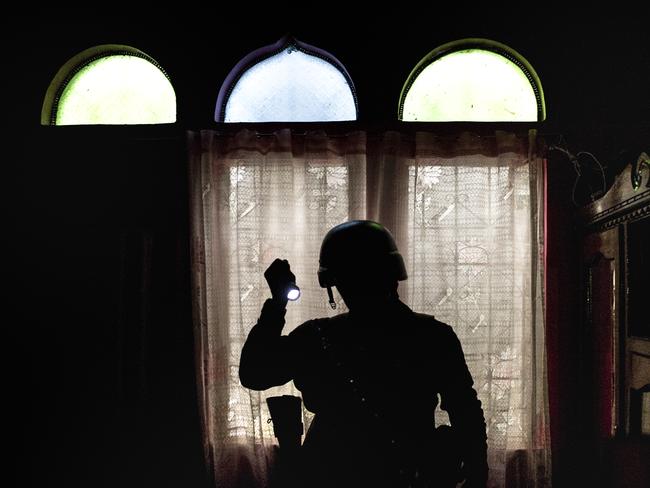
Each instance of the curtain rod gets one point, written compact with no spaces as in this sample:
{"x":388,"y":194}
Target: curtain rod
{"x":265,"y":129}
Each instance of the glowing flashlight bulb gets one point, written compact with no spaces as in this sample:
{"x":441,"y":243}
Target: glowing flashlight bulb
{"x":293,"y":294}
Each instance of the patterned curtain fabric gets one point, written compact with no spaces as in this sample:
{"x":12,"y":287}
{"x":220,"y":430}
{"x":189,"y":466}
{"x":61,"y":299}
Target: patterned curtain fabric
{"x":467,"y":214}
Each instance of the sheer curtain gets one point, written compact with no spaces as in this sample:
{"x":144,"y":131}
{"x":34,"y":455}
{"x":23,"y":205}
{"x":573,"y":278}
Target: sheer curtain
{"x":466,"y":211}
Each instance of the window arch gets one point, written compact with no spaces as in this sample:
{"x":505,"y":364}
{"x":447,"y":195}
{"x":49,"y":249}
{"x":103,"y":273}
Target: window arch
{"x":476,"y":80}
{"x":288,"y":81}
{"x":110,"y":84}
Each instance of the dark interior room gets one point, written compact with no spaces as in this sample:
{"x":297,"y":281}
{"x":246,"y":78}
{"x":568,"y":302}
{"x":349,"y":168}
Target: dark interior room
{"x":103,"y":356}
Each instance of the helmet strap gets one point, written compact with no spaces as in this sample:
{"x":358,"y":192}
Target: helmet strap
{"x":331,"y":297}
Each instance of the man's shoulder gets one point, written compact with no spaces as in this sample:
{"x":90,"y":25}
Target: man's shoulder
{"x":314,"y":326}
{"x":425,"y":320}
{"x":430,"y":325}
{"x":428,"y":319}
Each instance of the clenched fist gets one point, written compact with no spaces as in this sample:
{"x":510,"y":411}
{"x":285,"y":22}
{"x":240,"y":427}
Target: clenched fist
{"x":280,"y":279}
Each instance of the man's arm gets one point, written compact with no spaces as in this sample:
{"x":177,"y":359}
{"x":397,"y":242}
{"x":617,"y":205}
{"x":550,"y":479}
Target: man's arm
{"x":460,"y":401}
{"x":266,"y":358}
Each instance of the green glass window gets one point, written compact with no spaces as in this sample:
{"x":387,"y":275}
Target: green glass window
{"x":112,"y":86}
{"x":472,"y":80}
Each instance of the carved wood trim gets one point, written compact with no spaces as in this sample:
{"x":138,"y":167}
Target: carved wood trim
{"x":627,"y":200}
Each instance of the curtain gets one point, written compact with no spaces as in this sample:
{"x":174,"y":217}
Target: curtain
{"x":467,"y":214}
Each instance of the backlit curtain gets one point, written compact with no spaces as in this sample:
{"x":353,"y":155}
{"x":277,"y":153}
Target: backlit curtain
{"x":466,"y":211}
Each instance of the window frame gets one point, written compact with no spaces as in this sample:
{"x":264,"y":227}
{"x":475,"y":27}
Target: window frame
{"x":481,"y":44}
{"x":266,"y":52}
{"x":74,"y":65}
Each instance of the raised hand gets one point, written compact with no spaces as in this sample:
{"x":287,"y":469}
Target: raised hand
{"x":278,"y":276}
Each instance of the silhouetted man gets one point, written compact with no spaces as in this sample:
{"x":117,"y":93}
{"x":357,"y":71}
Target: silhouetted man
{"x":371,"y":376}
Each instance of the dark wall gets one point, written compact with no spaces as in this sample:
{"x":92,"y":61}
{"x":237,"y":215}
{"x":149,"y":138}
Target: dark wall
{"x":593,"y":65}
{"x":100,"y":343}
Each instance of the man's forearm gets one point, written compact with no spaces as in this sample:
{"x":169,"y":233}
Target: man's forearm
{"x":469,"y":423}
{"x":264,"y":362}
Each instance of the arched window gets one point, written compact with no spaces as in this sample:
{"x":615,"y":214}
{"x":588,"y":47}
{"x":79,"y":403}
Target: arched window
{"x":110,"y":84}
{"x":472,"y":80}
{"x":288,"y":81}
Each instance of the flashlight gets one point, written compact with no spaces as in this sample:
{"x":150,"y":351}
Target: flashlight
{"x":293,"y":292}
{"x":282,"y":281}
